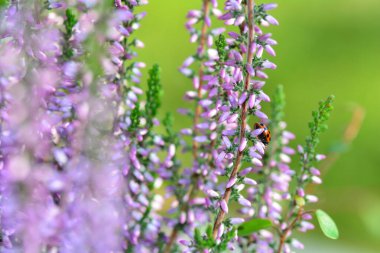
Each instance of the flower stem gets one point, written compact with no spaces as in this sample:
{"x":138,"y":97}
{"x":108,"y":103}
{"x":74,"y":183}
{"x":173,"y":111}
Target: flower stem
{"x":284,"y":234}
{"x":198,"y":111}
{"x":243,"y":115}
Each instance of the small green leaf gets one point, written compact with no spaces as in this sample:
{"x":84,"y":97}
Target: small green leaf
{"x":327,"y":225}
{"x":247,"y":228}
{"x":209,"y":231}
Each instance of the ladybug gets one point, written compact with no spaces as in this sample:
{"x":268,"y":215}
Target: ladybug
{"x":264,"y":137}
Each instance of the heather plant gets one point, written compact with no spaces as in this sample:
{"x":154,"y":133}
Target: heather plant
{"x":88,"y":165}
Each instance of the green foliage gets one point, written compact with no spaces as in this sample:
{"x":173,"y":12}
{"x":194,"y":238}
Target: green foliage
{"x":259,"y":13}
{"x":257,"y":62}
{"x":168,"y":123}
{"x":221,"y":47}
{"x":226,"y":238}
{"x":206,"y":241}
{"x":171,"y":136}
{"x":4,"y":3}
{"x":317,"y":126}
{"x":254,"y":225}
{"x":69,"y":24}
{"x":209,"y":231}
{"x":145,"y":220}
{"x":135,"y":118}
{"x":153,"y":101}
{"x":327,"y":225}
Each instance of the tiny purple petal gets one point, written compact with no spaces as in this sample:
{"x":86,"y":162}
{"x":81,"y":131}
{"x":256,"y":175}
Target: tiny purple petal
{"x":185,"y":242}
{"x":315,"y":171}
{"x":311,"y":198}
{"x":252,"y":100}
{"x":316,"y":180}
{"x":261,"y":115}
{"x":257,"y":162}
{"x":264,"y":96}
{"x":212,"y":193}
{"x":320,"y":157}
{"x":243,"y":98}
{"x":243,"y":144}
{"x":231,"y":182}
{"x":236,"y":221}
{"x":270,"y":6}
{"x":244,"y":202}
{"x":249,"y":181}
{"x":271,"y":20}
{"x":270,"y":51}
{"x":220,"y":231}
{"x":224,"y":206}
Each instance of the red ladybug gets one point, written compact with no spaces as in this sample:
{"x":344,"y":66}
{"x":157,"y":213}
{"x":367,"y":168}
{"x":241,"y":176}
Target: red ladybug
{"x":264,"y":137}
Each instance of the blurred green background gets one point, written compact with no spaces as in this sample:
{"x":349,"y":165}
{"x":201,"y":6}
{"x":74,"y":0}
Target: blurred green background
{"x":325,"y":47}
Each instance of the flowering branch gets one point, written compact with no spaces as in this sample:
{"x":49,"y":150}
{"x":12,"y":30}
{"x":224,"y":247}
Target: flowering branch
{"x":308,"y":174}
{"x":194,"y":16}
{"x":220,"y":217}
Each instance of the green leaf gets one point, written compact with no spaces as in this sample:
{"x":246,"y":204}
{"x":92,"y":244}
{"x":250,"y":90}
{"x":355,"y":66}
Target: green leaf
{"x":197,"y":236}
{"x":154,"y":92}
{"x":209,"y":231}
{"x":248,"y":227}
{"x":3,"y":3}
{"x":327,"y":225}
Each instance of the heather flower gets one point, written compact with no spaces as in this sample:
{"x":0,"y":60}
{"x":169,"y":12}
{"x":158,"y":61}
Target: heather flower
{"x":133,"y":127}
{"x":205,"y":130}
